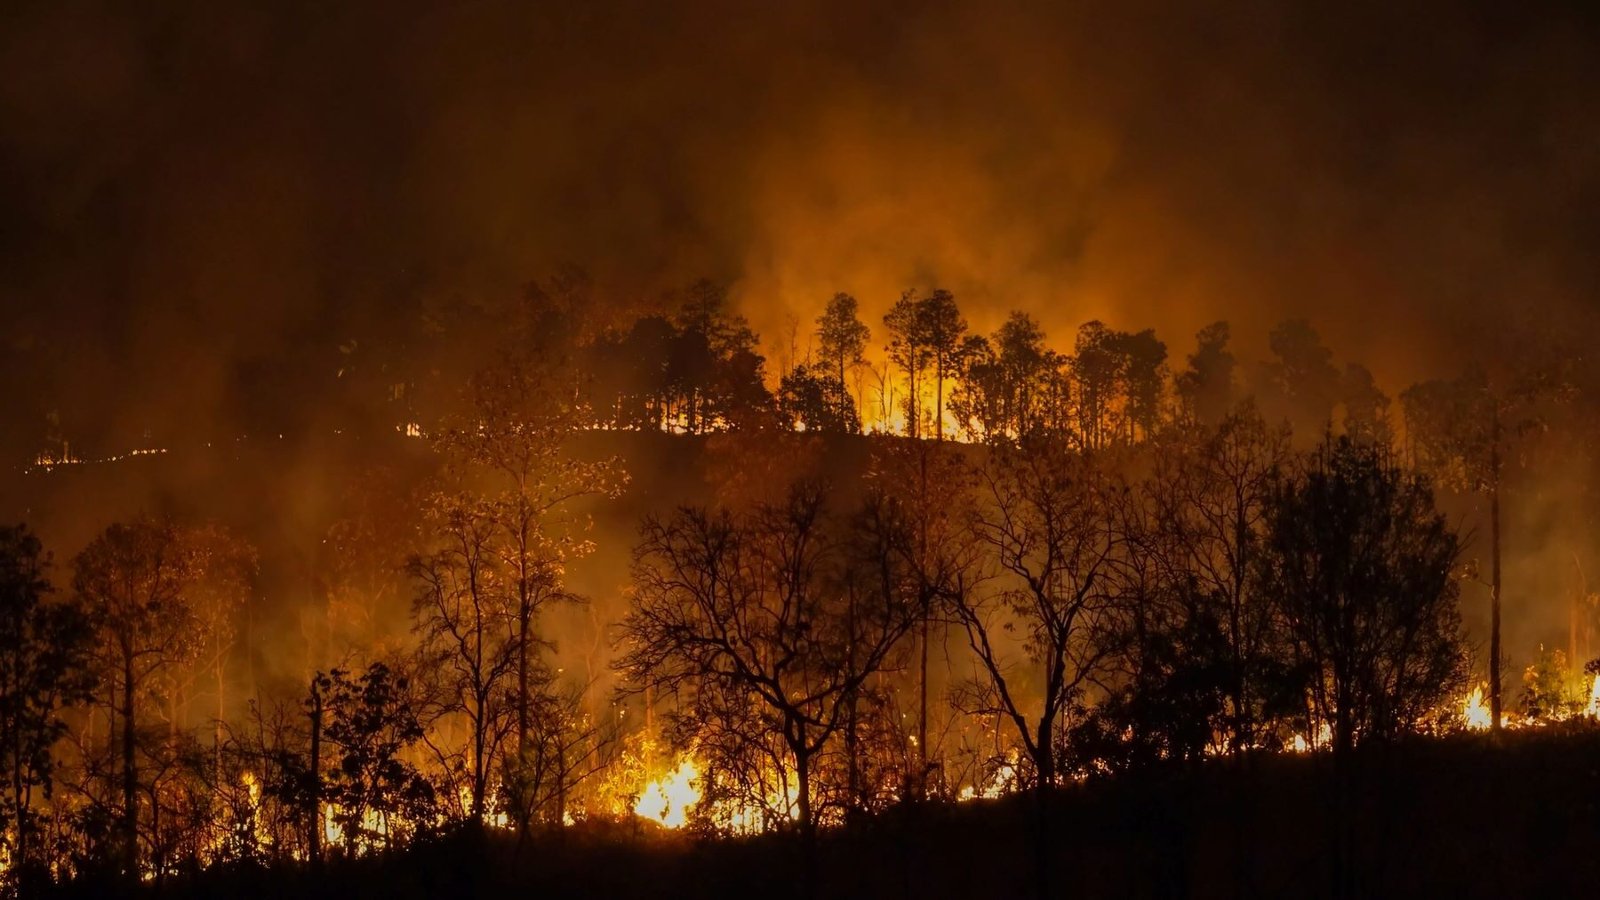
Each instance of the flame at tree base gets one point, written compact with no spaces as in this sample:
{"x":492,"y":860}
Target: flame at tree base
{"x":667,"y":800}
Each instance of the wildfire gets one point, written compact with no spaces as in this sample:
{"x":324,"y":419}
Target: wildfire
{"x":1475,"y":711}
{"x":668,"y":799}
{"x":374,"y":828}
{"x":1324,"y":737}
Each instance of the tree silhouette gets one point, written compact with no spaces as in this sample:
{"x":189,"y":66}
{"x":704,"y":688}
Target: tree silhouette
{"x":842,"y":339}
{"x":469,"y":639}
{"x":514,"y":469}
{"x":1049,"y":521}
{"x":1302,"y":383}
{"x":908,"y":351}
{"x":1206,"y":387}
{"x":746,"y":614}
{"x":811,"y":398}
{"x":1460,"y":432}
{"x":942,"y":329}
{"x":43,"y":659}
{"x":371,"y":723}
{"x":133,"y":580}
{"x":1362,"y":567}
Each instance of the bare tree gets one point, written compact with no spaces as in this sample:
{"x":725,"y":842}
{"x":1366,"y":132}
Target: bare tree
{"x":1048,"y":519}
{"x":469,"y":639}
{"x":133,"y":579}
{"x":749,"y":608}
{"x":1208,"y":496}
{"x":511,"y":454}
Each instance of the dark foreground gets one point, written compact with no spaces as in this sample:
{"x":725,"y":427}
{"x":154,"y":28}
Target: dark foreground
{"x":1463,"y":817}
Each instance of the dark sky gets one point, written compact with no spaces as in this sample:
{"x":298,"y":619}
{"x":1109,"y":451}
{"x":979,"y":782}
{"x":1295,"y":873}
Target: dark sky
{"x":192,"y":190}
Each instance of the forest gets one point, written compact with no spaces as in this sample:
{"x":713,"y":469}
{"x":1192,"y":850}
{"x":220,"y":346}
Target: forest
{"x":933,"y":573}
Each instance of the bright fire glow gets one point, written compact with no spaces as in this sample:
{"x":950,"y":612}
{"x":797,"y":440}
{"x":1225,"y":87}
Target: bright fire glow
{"x":1475,"y":710}
{"x":667,"y":800}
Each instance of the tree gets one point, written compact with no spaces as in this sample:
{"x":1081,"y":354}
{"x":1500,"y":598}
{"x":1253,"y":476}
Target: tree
{"x":811,"y":398}
{"x":942,"y":328}
{"x":714,"y":363}
{"x":1143,"y":365}
{"x":978,"y":402}
{"x":43,"y":659}
{"x":1207,"y":502}
{"x":133,"y":580}
{"x":746,"y":614}
{"x":1302,"y":380}
{"x":1026,"y":364}
{"x":908,"y":351}
{"x":1366,"y":406}
{"x":1097,"y":367}
{"x":512,"y":465}
{"x":468,"y":635}
{"x":842,"y":338}
{"x":1206,"y":388}
{"x":1460,"y":431}
{"x":371,"y":723}
{"x":1049,"y":522}
{"x":1362,"y":568}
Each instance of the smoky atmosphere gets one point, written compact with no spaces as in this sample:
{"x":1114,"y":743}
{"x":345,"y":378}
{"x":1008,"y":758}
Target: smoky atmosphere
{"x":798,"y":450}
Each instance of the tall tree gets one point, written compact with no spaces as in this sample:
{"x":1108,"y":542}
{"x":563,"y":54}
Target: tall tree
{"x":1460,"y":431}
{"x":1143,"y":366}
{"x":43,"y":669}
{"x":1303,"y":383}
{"x":1049,"y":521}
{"x":512,"y":459}
{"x":842,"y":339}
{"x":908,"y":350}
{"x":1206,"y":387}
{"x":943,"y":328}
{"x":1097,"y":366}
{"x":466,"y":620}
{"x":133,"y":579}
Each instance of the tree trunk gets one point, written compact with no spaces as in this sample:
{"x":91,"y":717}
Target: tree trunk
{"x":523,"y":616}
{"x":926,"y":611}
{"x":130,"y":771}
{"x":315,"y":842}
{"x":479,"y":772}
{"x":1494,"y":599}
{"x":808,"y":834}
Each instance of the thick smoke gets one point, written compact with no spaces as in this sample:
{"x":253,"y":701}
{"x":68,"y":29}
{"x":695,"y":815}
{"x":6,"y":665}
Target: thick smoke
{"x":203,"y":196}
